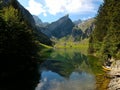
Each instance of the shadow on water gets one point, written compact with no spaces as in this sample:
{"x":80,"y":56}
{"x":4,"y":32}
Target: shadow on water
{"x":69,"y":69}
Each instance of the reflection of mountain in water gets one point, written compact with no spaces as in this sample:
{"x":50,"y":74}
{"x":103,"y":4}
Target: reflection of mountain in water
{"x":65,"y":61}
{"x":68,"y":69}
{"x":53,"y":81}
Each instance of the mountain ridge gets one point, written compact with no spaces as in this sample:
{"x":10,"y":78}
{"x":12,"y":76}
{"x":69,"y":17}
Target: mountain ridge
{"x":65,"y":27}
{"x":59,"y":28}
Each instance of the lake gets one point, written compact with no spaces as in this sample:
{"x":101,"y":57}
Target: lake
{"x":69,"y":69}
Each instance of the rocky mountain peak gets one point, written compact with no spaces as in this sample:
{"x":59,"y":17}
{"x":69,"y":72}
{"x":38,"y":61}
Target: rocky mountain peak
{"x":61,"y":27}
{"x":66,"y":17}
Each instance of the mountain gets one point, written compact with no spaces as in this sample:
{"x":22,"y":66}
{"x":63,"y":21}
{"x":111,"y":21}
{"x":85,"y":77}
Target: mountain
{"x":83,"y":29}
{"x":65,"y":27}
{"x":90,"y":29}
{"x":62,"y":27}
{"x":39,"y":22}
{"x":84,"y":25}
{"x":28,"y":18}
{"x":77,"y":22}
{"x":59,"y":28}
{"x":77,"y":34}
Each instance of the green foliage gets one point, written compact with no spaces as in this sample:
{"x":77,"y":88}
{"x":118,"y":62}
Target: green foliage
{"x":105,"y":39}
{"x":16,"y":37}
{"x":18,"y":50}
{"x":10,"y":14}
{"x":68,"y":44}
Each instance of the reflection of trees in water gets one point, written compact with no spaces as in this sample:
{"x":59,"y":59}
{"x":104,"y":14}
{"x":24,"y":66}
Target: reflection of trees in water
{"x":65,"y":61}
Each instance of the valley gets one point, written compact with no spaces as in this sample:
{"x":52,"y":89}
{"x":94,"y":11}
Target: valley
{"x":64,"y":33}
{"x":59,"y":55}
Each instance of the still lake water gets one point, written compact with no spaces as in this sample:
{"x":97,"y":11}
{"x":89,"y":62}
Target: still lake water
{"x":68,"y":69}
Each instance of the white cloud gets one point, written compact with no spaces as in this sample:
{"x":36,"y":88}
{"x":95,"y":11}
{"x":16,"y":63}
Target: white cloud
{"x":35,"y":8}
{"x":69,"y":6}
{"x":62,"y":6}
{"x":55,"y":6}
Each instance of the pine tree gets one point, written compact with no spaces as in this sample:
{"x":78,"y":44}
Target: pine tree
{"x":105,"y":38}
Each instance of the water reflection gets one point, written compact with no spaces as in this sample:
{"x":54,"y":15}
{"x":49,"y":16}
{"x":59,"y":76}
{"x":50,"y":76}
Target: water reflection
{"x":68,"y":69}
{"x":65,"y":61}
{"x":76,"y":81}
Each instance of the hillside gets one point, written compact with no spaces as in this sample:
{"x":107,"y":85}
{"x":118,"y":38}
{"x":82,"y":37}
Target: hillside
{"x":86,"y":24}
{"x":28,"y":18}
{"x":83,"y":29}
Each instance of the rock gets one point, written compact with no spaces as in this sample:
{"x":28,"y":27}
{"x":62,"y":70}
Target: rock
{"x":115,"y":74}
{"x":77,"y":34}
{"x":114,"y":84}
{"x":61,"y":27}
{"x":89,"y":30}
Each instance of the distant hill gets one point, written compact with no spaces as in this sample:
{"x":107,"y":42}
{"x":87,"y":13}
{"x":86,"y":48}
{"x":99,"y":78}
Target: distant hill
{"x":86,"y":24}
{"x":77,"y":22}
{"x":83,"y":29}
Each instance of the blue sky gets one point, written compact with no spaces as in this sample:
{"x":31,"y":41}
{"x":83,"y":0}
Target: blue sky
{"x":51,"y":10}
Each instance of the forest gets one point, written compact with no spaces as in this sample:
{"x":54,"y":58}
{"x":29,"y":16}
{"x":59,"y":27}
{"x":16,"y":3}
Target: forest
{"x":105,"y":39}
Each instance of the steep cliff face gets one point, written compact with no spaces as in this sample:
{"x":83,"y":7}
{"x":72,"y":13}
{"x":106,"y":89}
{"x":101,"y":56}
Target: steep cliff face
{"x":87,"y":24}
{"x":37,"y":20}
{"x":83,"y":29}
{"x":62,"y":27}
{"x":77,"y":34}
{"x":89,"y":30}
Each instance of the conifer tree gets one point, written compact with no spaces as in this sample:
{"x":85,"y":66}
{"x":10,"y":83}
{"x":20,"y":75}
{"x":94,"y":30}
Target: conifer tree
{"x":105,"y":38}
